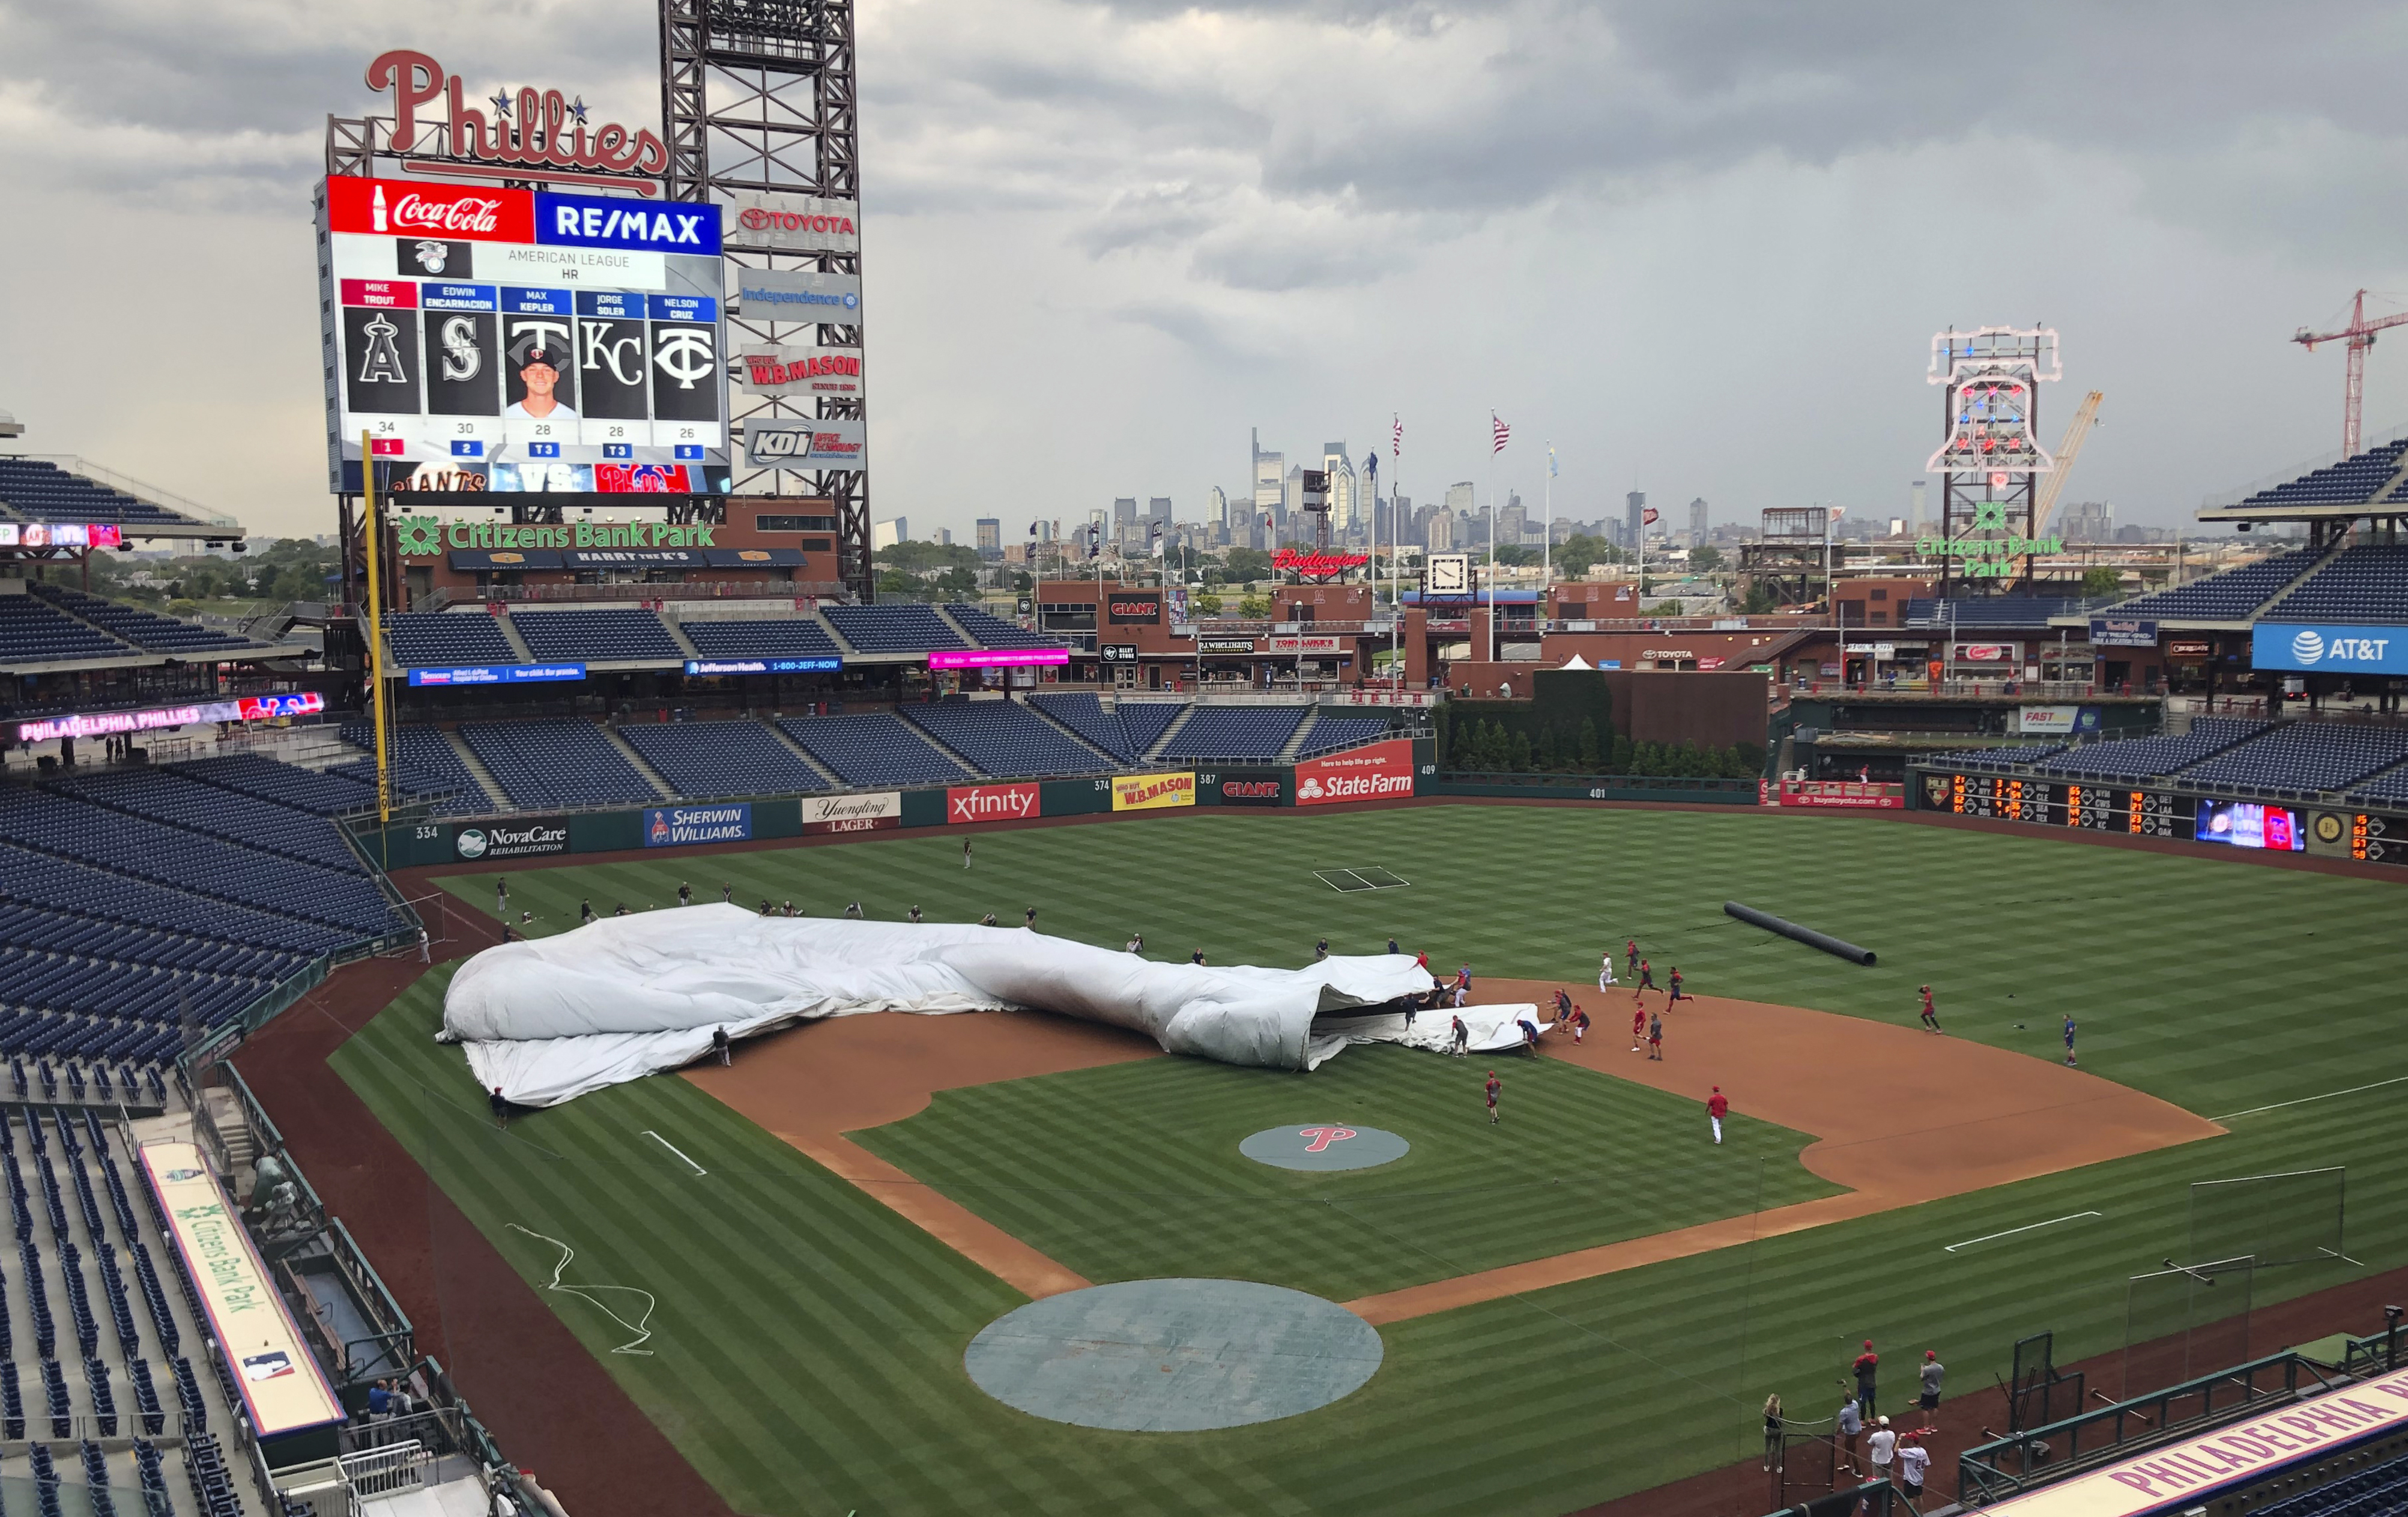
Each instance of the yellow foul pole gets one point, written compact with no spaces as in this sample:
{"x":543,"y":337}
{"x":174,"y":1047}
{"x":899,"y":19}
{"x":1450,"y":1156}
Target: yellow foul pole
{"x":373,"y":534}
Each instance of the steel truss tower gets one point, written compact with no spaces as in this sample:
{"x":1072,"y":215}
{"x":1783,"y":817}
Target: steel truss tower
{"x":757,"y":97}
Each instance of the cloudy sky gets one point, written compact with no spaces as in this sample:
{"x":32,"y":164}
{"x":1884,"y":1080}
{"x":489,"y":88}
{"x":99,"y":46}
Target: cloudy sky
{"x":1699,"y":247}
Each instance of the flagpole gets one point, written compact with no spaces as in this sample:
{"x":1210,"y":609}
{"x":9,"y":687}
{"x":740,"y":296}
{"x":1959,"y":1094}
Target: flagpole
{"x":1546,"y":543}
{"x":1395,"y":567}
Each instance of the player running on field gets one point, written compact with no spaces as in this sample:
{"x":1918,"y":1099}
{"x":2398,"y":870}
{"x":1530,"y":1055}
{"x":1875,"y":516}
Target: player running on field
{"x":1931,"y":1018}
{"x":1638,"y":1028}
{"x":1630,"y":953}
{"x":1717,"y":1107}
{"x":1646,"y":977}
{"x":1495,"y":1085}
{"x":2069,"y":1038}
{"x":1656,"y":1037}
{"x":1605,"y":970}
{"x":1675,"y":983}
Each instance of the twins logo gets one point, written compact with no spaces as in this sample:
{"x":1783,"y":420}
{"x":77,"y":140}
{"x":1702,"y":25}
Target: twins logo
{"x":1322,"y":1137}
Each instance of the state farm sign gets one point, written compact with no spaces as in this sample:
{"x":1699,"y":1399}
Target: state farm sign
{"x":1382,"y":771}
{"x":991,"y":803}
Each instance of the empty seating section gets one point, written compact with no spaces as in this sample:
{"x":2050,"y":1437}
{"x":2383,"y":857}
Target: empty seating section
{"x":2377,"y":1490}
{"x":1332,"y":733}
{"x":421,"y":640}
{"x":2390,"y":787}
{"x":568,"y":763}
{"x":900,"y":627}
{"x":424,"y":764}
{"x":873,"y":749}
{"x":2029,"y":613}
{"x":53,"y":823}
{"x":32,"y":630}
{"x":1235,"y":732}
{"x":2368,"y":584}
{"x":77,"y":1274}
{"x":2305,"y":756}
{"x":992,"y":631}
{"x":1143,"y":723}
{"x":597,"y":636}
{"x":1002,"y":738}
{"x":769,"y":637}
{"x":704,"y":759}
{"x":145,"y":629}
{"x":220,"y":813}
{"x":2233,"y":595}
{"x":1999,"y":757}
{"x":304,"y":789}
{"x":43,"y":492}
{"x":1083,"y":714}
{"x":2147,"y":758}
{"x":2353,"y":481}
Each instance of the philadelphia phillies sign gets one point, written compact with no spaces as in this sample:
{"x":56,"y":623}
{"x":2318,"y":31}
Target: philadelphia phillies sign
{"x":522,"y":136}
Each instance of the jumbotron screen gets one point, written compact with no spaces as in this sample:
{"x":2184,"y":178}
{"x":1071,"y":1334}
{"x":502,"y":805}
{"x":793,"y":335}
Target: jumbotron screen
{"x":488,"y":339}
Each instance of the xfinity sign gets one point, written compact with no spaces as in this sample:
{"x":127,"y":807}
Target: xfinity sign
{"x":2325,"y":648}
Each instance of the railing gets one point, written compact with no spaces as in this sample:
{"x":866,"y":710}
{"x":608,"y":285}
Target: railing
{"x":398,"y":1339}
{"x":446,"y":596}
{"x":2008,"y":1464}
{"x":137,"y":488}
{"x":1748,"y":787}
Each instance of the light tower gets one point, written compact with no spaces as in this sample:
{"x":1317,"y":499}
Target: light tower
{"x":758,"y":107}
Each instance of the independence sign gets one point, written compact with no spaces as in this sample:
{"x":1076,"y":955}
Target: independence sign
{"x":2320,"y":647}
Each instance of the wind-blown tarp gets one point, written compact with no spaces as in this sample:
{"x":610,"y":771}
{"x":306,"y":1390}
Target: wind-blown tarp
{"x":552,"y":1019}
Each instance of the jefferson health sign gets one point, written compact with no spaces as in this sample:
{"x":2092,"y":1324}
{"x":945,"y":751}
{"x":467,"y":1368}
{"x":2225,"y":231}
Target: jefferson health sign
{"x":2319,"y":647}
{"x":1379,"y":772}
{"x":680,"y":826}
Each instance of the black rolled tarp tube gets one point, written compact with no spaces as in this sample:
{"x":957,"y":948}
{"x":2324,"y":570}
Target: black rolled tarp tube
{"x":1807,"y":936}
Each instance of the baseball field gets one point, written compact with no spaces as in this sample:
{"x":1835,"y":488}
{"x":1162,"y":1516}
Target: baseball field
{"x":783,"y":1275}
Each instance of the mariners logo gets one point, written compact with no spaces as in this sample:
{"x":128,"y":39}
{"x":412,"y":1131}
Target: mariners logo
{"x":415,"y":535}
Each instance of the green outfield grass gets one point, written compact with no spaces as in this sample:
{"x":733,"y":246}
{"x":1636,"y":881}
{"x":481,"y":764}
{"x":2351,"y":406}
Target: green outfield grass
{"x":1133,"y":1170}
{"x":808,"y":1340}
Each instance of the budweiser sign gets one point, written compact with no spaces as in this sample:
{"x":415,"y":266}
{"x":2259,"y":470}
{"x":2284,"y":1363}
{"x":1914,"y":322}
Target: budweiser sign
{"x":526,"y":133}
{"x":1317,"y":566}
{"x":811,"y":371}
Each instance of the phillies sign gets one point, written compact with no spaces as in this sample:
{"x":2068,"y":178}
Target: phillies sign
{"x":523,"y":137}
{"x":991,"y":803}
{"x":1382,"y":771}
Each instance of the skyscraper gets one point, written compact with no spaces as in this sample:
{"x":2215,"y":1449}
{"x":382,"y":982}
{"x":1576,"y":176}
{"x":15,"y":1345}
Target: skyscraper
{"x":1216,"y":508}
{"x":1270,"y":485}
{"x":1343,"y":508}
{"x":1125,"y":519}
{"x":1697,"y":522}
{"x":1637,"y":503}
{"x":990,"y":536}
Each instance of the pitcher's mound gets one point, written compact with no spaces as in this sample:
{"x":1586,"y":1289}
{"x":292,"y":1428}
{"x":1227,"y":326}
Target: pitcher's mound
{"x":1325,"y":1146}
{"x":1174,"y":1356}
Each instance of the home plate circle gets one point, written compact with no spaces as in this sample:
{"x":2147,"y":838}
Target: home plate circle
{"x":1173,"y":1355}
{"x":1324,"y":1145}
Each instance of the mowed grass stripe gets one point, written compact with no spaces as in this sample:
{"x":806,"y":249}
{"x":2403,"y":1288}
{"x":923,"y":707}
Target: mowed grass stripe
{"x":2220,"y":987}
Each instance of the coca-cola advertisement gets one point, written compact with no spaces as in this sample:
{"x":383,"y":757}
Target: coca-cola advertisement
{"x":462,"y":213}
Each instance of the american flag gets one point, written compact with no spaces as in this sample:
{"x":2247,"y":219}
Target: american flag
{"x":1395,"y":435}
{"x":1499,"y":435}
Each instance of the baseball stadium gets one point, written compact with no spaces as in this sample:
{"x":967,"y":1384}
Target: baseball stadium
{"x":623,"y":1007}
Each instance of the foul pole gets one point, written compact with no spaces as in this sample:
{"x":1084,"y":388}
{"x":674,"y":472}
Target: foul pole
{"x":377,"y":712}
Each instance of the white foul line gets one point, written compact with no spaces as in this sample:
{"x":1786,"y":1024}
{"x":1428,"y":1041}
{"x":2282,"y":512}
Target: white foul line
{"x":2013,"y":1231}
{"x":2305,"y":1099}
{"x":674,"y":1148}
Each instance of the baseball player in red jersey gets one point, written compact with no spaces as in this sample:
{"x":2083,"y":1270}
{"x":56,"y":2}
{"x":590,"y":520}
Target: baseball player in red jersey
{"x":1717,"y":1107}
{"x":1495,"y":1085}
{"x":1638,"y":1028}
{"x":1931,"y":1018}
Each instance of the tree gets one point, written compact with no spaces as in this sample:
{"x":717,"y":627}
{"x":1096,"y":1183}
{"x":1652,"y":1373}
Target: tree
{"x":1623,"y":755}
{"x":1666,"y":608}
{"x":1515,"y":555}
{"x":1254,"y":607}
{"x":1518,"y":752}
{"x":1209,"y":603}
{"x":1705,"y":559}
{"x":1588,"y":755}
{"x":1246,"y":564}
{"x":2101,"y":579}
{"x":1544,"y":753}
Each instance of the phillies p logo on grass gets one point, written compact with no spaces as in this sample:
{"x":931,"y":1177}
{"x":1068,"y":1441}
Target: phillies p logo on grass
{"x":1322,"y":1137}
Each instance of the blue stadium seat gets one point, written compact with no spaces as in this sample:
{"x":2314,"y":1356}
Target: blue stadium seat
{"x":760,"y":637}
{"x":32,"y":631}
{"x":2354,"y":480}
{"x":421,"y":640}
{"x":712,"y":759}
{"x":38,"y":491}
{"x":1332,"y":733}
{"x":145,"y":629}
{"x":2364,"y":584}
{"x":1143,"y":723}
{"x":2151,"y":758}
{"x":546,"y":764}
{"x":304,"y":789}
{"x":992,"y":631}
{"x":873,"y":749}
{"x":2234,"y":596}
{"x":2306,"y":758}
{"x":897,"y":627}
{"x":1236,"y":732}
{"x":1002,"y":738}
{"x":1083,"y":714}
{"x":604,"y":636}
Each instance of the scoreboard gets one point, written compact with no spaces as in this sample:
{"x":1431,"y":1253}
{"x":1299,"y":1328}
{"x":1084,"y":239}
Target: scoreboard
{"x":2098,"y":808}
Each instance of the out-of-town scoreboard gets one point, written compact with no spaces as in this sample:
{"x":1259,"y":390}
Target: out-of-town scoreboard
{"x":2141,"y":812}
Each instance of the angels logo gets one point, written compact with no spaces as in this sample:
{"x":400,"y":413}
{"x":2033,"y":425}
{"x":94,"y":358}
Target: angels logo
{"x":414,"y":537}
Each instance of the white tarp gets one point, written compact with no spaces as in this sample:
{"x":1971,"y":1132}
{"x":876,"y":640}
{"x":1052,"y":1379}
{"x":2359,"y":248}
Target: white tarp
{"x":553,"y":1017}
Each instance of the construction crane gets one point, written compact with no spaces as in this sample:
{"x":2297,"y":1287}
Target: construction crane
{"x":2085,"y":417}
{"x":2360,"y":334}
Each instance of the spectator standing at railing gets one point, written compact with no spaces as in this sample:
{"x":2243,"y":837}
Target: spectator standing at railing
{"x":1914,"y":1463}
{"x":1868,"y":1370}
{"x":1771,"y":1431}
{"x":1852,"y":1428}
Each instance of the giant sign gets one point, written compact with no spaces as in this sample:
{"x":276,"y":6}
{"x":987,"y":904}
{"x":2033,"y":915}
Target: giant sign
{"x":2327,"y":647}
{"x":1380,"y":771}
{"x":282,"y":1389}
{"x":1133,"y":608}
{"x":487,"y":338}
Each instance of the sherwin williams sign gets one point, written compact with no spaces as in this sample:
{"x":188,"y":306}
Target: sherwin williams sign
{"x":1152,"y":791}
{"x":2322,"y":648}
{"x":678,"y":826}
